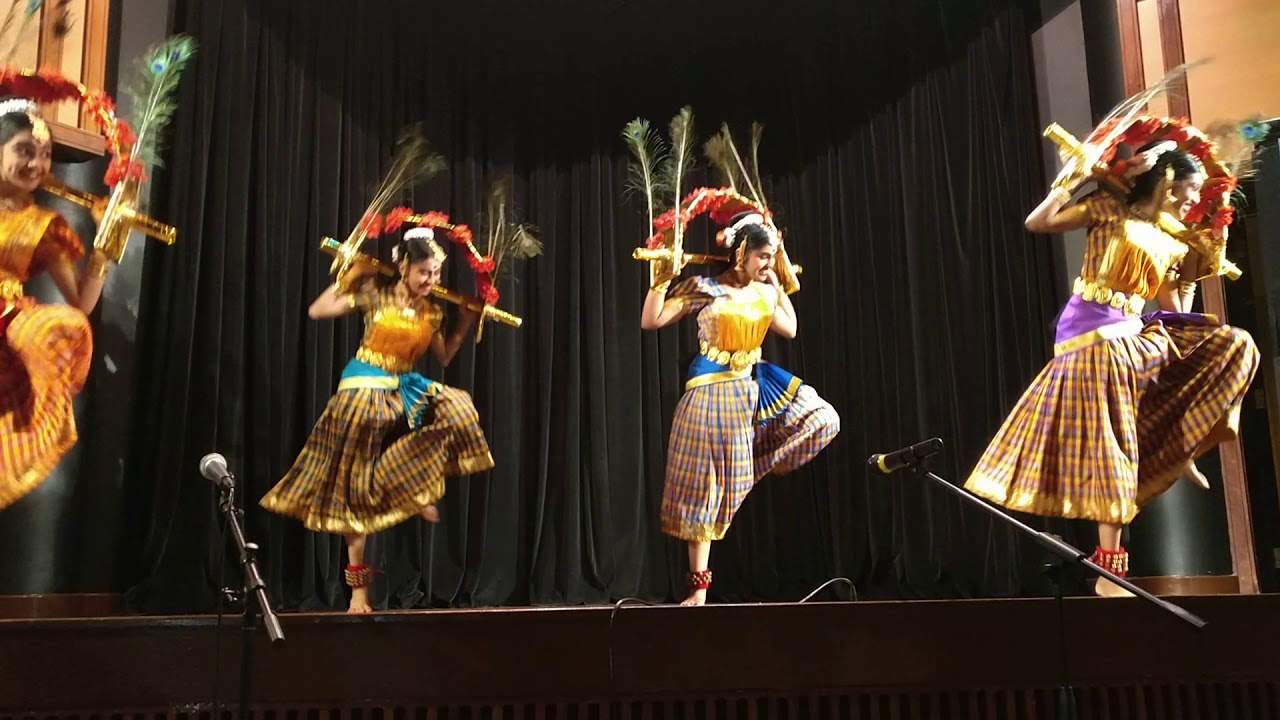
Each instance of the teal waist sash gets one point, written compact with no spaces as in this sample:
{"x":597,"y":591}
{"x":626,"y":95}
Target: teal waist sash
{"x":416,"y":392}
{"x":777,"y":386}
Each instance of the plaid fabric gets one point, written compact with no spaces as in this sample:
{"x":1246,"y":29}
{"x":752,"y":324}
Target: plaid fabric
{"x":44,"y":361}
{"x":362,"y":470}
{"x":717,"y":452}
{"x":721,"y":443}
{"x":1105,"y":429}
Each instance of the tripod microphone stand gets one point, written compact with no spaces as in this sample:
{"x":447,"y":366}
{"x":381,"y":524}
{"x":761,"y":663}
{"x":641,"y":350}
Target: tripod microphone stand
{"x":1064,"y":556}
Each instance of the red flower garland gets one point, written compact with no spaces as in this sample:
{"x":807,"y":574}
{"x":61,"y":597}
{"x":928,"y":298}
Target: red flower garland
{"x":1215,"y":198}
{"x":46,"y":87}
{"x":721,"y":203}
{"x":482,"y":265}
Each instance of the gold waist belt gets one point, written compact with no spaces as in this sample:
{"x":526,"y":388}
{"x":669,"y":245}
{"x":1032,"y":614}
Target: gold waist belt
{"x":1091,"y":291}
{"x":10,"y":289}
{"x":390,"y":363}
{"x":737,"y":361}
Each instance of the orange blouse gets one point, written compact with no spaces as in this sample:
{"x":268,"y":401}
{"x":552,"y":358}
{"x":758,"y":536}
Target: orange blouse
{"x":395,"y":335}
{"x":31,"y":240}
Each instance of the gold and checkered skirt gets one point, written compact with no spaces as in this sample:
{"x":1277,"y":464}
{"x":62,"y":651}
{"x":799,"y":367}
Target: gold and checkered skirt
{"x":362,"y":470}
{"x":44,"y":361}
{"x":1105,"y":429}
{"x":718,"y":451}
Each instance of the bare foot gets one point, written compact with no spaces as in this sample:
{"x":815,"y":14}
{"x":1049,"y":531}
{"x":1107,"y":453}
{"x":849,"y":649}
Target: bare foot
{"x":1106,"y":588}
{"x":1194,"y":475}
{"x":359,"y":602}
{"x":698,"y":597}
{"x":430,"y":514}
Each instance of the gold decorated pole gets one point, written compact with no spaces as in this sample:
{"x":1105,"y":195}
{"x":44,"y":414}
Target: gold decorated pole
{"x":1077,"y":158}
{"x":119,"y":218}
{"x":671,"y":258}
{"x":665,"y":254}
{"x":669,"y":254}
{"x":333,"y":247}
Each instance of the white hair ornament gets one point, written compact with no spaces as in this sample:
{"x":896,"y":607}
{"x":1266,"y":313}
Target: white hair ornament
{"x":419,"y":233}
{"x":731,"y":233}
{"x":39,"y":128}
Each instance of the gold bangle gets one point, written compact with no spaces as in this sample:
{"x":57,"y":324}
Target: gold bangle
{"x":661,"y":288}
{"x":1061,"y":193}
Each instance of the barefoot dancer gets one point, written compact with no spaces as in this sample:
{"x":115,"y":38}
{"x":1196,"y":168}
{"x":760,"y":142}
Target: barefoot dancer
{"x":381,"y":450}
{"x":1129,"y":400}
{"x":740,"y":418}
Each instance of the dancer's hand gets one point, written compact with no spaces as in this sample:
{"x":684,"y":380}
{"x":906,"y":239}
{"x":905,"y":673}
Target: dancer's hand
{"x":98,"y":210}
{"x":1144,"y":161}
{"x":467,"y":317}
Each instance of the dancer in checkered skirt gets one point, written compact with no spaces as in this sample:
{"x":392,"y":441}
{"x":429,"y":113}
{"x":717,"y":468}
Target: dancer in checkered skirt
{"x":740,"y":418}
{"x":1130,"y":399}
{"x":380,"y":452}
{"x":46,"y":350}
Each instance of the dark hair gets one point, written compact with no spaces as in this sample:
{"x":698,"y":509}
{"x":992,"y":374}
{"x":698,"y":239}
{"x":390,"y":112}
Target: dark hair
{"x":1144,"y":186}
{"x":13,"y":123}
{"x":415,"y":249}
{"x":754,"y":236}
{"x":750,"y":238}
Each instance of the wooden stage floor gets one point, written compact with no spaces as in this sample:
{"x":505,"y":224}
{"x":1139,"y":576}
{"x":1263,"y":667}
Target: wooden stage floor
{"x":925,"y":659}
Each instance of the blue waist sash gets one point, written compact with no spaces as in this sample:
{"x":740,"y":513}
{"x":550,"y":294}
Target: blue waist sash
{"x":416,"y":392}
{"x":777,"y":386}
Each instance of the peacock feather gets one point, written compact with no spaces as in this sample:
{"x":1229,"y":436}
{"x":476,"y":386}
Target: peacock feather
{"x":508,"y":239}
{"x":650,"y":152}
{"x":679,"y":161}
{"x":23,"y":13}
{"x":152,"y":89}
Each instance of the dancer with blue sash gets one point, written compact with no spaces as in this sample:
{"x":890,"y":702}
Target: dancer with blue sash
{"x":740,"y":418}
{"x":380,"y":452}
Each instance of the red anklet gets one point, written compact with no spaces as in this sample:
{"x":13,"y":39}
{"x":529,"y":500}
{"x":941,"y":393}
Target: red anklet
{"x":1116,"y":561}
{"x":700,"y":579}
{"x":358,"y":576}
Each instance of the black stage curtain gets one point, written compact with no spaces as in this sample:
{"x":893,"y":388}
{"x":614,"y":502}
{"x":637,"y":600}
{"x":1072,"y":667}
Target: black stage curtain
{"x":901,"y":153}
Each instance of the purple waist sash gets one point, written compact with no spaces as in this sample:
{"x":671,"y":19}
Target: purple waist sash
{"x":1081,"y":316}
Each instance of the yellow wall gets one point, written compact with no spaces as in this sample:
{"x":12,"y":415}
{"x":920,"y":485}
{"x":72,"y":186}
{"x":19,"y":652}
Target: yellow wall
{"x":1239,"y":38}
{"x":1242,"y":39}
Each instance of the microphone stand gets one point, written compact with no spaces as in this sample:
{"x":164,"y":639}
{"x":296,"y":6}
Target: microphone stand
{"x":1065,"y":556}
{"x":254,"y":594}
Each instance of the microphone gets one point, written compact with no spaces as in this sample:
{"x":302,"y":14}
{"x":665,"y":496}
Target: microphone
{"x":214,"y":469}
{"x":907,"y":456}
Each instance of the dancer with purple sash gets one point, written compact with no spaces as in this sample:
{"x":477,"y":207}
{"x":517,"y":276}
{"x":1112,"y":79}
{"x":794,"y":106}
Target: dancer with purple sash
{"x":1131,"y":398}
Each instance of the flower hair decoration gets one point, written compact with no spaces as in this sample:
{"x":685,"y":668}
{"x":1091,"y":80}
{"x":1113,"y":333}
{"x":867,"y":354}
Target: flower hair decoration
{"x":427,"y":235}
{"x":1222,"y":155}
{"x":657,"y":172}
{"x":436,"y":223}
{"x":39,"y":128}
{"x":728,"y":236}
{"x":46,"y":87}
